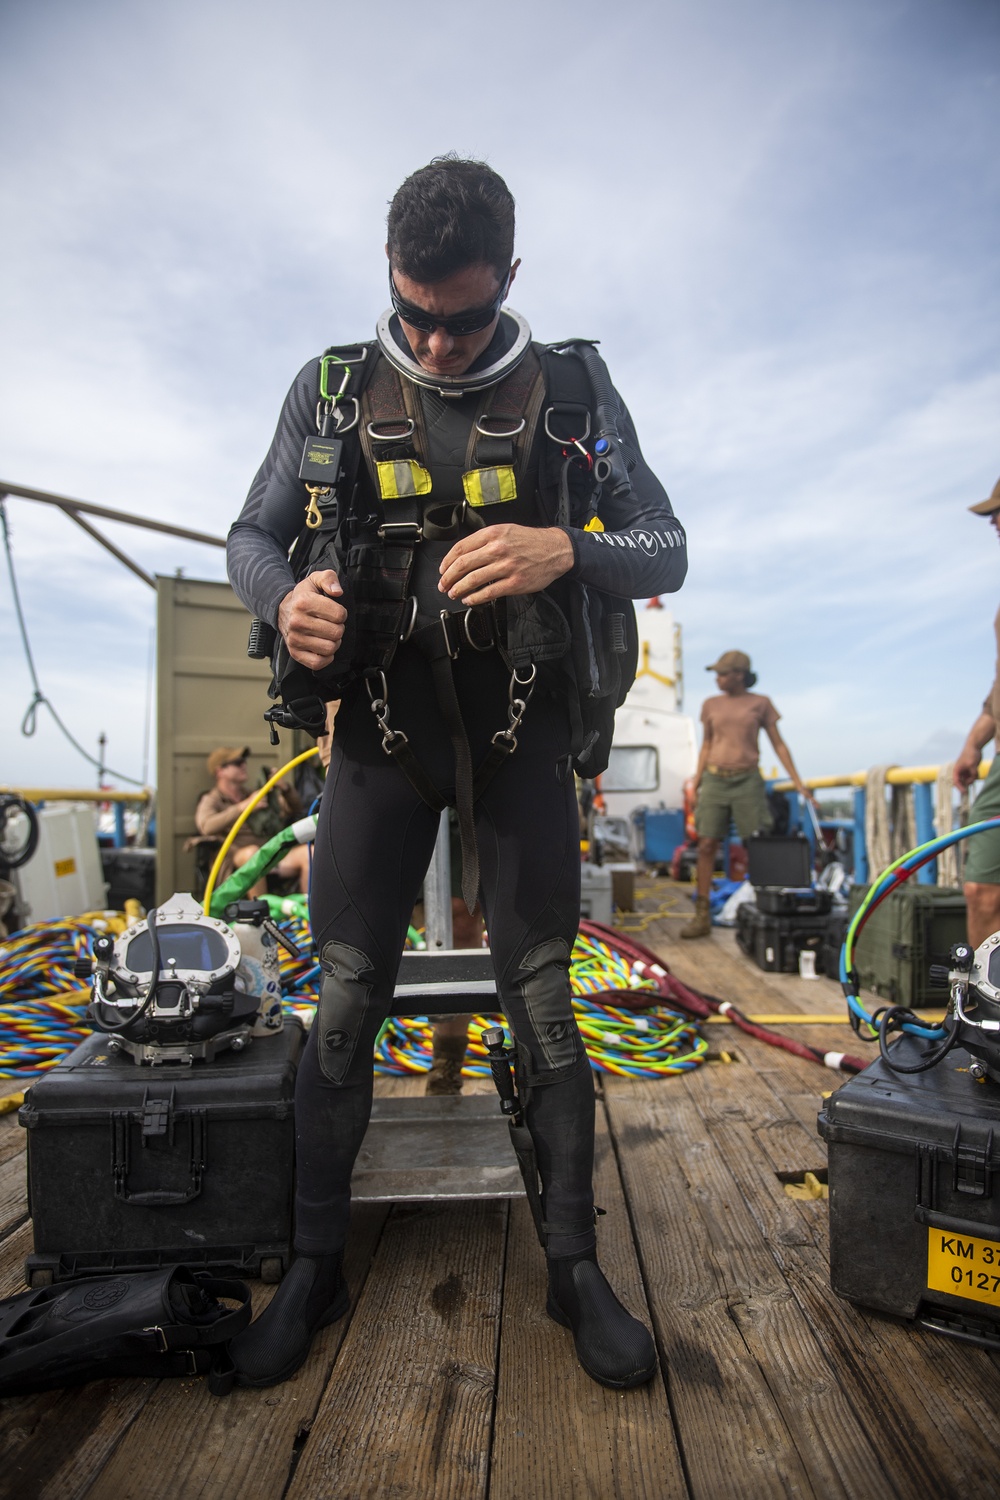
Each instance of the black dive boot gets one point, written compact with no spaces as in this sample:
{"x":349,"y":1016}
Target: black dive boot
{"x":614,"y":1348}
{"x":313,"y":1294}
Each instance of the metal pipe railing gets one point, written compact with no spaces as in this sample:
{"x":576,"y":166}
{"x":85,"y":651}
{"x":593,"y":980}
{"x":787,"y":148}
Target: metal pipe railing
{"x":895,"y":776}
{"x":921,"y":778}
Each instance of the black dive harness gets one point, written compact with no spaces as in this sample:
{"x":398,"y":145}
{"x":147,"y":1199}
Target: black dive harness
{"x":368,"y":520}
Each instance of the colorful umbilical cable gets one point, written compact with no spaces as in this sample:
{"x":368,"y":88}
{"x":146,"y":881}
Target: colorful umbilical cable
{"x":890,"y":880}
{"x":42,"y":1005}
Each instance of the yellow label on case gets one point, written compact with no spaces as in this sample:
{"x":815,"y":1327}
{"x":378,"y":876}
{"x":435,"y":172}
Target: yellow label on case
{"x":65,"y":867}
{"x":964,"y":1266}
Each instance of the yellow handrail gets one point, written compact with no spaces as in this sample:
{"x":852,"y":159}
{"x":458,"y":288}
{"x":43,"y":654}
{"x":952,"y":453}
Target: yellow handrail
{"x":84,"y":794}
{"x":897,"y":776}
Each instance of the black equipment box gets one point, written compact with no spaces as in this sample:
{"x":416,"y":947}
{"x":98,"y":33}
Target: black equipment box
{"x":779,"y":859}
{"x":774,"y":943}
{"x":833,"y":941}
{"x":915,"y":1193}
{"x":912,"y":929}
{"x":130,"y":873}
{"x":782,"y":900}
{"x":134,"y":1167}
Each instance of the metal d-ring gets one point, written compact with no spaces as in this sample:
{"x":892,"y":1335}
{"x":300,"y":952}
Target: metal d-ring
{"x":391,"y":437}
{"x":484,"y":432}
{"x":468,"y":634}
{"x":576,"y":442}
{"x":407,"y":630}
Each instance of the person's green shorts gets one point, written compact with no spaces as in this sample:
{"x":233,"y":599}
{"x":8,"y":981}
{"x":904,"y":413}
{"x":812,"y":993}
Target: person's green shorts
{"x":739,"y":799}
{"x":982,"y":862}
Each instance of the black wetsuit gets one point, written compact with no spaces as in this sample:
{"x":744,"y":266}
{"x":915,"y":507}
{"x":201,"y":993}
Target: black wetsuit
{"x":376,"y":836}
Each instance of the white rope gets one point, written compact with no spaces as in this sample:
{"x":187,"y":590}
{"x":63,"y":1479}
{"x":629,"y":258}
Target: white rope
{"x":890,"y":824}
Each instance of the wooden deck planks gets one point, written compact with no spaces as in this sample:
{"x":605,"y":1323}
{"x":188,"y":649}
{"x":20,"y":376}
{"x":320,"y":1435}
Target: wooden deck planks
{"x":558,"y":1435}
{"x":450,"y":1381}
{"x":241,"y":1444}
{"x":937,"y":1443}
{"x":409,"y":1407}
{"x":733,"y":1437}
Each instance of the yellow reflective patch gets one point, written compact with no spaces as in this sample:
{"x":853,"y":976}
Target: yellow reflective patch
{"x":489,"y":486}
{"x":594,"y":524}
{"x":400,"y":478}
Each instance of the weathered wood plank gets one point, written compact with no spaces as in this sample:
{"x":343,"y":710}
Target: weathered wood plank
{"x":734,"y":1439}
{"x":944,"y":1436}
{"x":241,"y":1444}
{"x":54,"y":1443}
{"x":11,"y":1136}
{"x":14,"y":1246}
{"x":408,"y":1410}
{"x":13,"y":1191}
{"x":558,"y":1435}
{"x":832,"y":1444}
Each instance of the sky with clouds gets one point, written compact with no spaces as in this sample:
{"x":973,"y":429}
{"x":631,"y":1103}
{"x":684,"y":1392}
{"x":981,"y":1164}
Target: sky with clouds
{"x":780,"y":219}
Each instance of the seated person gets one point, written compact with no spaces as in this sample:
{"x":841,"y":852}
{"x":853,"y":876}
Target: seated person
{"x":218,"y":810}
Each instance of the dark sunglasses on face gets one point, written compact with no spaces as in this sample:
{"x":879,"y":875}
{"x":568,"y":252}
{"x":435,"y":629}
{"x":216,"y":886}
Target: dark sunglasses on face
{"x":473,"y":321}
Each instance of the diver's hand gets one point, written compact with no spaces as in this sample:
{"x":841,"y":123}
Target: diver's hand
{"x":500,"y":561}
{"x":311,"y":620}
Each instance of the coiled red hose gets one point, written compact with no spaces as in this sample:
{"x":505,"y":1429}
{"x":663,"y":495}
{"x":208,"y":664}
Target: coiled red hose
{"x":672,"y":990}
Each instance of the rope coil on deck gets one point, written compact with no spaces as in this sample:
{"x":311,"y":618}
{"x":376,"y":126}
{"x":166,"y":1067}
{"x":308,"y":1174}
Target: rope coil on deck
{"x":43,"y":1006}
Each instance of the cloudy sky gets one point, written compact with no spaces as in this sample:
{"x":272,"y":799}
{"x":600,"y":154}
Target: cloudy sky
{"x":779,"y":218}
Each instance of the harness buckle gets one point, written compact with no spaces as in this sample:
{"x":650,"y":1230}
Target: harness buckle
{"x":413,"y":528}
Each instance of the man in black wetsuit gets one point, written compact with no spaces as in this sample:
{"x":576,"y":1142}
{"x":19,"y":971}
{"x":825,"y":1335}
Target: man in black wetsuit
{"x":496,"y":561}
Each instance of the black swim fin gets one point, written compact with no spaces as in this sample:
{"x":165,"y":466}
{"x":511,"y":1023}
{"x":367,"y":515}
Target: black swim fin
{"x":166,"y":1322}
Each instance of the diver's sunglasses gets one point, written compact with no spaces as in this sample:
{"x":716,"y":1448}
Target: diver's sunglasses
{"x":473,"y":321}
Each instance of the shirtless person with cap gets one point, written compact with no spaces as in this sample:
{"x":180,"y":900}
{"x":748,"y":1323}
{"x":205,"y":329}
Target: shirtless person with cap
{"x":982,"y":864}
{"x":727,"y":780}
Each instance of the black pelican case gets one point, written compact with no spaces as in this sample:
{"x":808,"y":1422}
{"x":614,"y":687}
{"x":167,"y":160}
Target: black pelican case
{"x":912,"y":929}
{"x":775,"y":942}
{"x":134,"y":1167}
{"x":914,"y":1170}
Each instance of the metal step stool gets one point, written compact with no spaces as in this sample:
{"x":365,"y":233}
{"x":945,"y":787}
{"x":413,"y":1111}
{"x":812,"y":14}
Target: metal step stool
{"x":418,"y":1149}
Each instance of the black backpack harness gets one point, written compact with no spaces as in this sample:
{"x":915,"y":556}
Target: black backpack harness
{"x":367,"y":521}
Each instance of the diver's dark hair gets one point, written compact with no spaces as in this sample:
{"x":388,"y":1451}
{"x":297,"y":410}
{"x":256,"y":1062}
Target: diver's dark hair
{"x":449,"y":215}
{"x":749,"y":680}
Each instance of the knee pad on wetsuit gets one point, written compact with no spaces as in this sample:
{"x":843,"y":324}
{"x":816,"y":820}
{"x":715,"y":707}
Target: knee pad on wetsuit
{"x":343,"y":1004}
{"x":543,"y":978}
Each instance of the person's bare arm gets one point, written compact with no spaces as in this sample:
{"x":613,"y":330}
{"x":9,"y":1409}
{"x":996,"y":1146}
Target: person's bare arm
{"x":214,"y":824}
{"x":312,"y":621}
{"x":501,"y":561}
{"x":966,"y":767}
{"x":783,"y":753}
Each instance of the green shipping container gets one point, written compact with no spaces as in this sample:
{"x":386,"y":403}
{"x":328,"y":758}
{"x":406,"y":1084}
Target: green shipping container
{"x":912,"y":929}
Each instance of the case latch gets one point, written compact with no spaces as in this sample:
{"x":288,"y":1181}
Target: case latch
{"x":973,"y":1173}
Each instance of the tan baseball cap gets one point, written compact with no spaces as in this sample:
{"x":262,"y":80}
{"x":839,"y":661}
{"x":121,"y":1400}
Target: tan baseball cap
{"x":987,"y":507}
{"x":731,"y":661}
{"x":224,"y":756}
